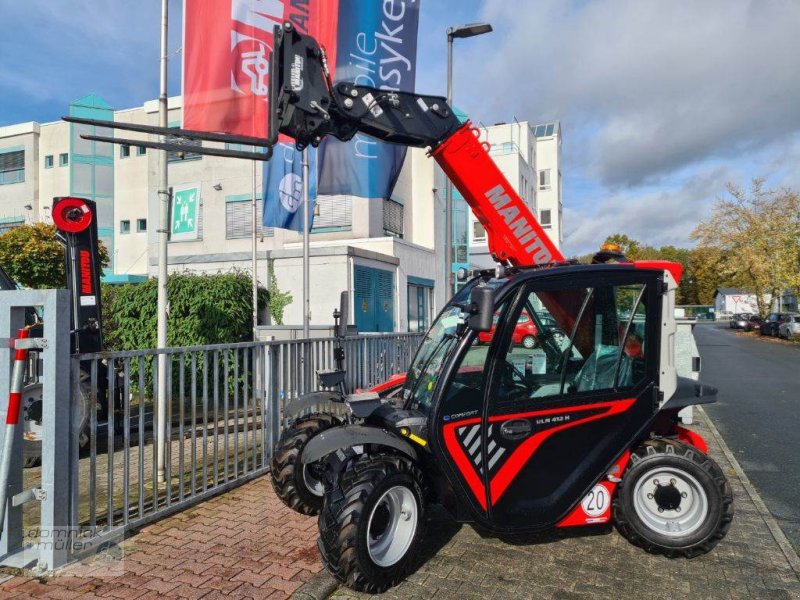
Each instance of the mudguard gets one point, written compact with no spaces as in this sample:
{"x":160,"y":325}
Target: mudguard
{"x":690,"y":392}
{"x":347,"y":436}
{"x":307,"y":401}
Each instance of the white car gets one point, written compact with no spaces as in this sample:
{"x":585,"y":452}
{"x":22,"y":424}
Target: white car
{"x":790,"y":328}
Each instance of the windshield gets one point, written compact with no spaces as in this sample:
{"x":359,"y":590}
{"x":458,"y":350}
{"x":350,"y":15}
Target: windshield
{"x":440,"y":339}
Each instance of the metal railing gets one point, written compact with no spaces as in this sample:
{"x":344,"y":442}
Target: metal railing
{"x":224,"y":413}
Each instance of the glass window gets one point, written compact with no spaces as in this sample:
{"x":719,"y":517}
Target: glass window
{"x":12,"y":166}
{"x":141,"y":150}
{"x":48,"y":161}
{"x":125,"y":226}
{"x":141,"y":225}
{"x":550,"y":128}
{"x":545,"y":217}
{"x":478,"y":233}
{"x":544,"y":179}
{"x":124,"y":151}
{"x":63,"y":159}
{"x":577,"y":340}
{"x":419,"y":307}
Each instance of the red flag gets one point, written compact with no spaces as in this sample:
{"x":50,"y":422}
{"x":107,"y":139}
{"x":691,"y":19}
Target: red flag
{"x":226,"y":50}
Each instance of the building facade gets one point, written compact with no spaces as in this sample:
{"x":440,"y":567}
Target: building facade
{"x":387,"y":252}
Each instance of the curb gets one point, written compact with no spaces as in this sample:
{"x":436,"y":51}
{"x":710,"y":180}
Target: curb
{"x":777,"y":533}
{"x":318,"y":587}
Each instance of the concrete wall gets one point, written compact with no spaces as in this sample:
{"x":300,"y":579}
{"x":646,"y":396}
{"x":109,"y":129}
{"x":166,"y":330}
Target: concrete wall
{"x":548,"y":156}
{"x":53,"y":182}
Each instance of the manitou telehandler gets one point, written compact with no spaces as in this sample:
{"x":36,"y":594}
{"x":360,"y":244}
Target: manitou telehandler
{"x":580,"y":429}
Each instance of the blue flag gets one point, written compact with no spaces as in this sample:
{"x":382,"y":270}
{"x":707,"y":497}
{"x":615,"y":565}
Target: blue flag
{"x":283,"y":188}
{"x":376,"y":46}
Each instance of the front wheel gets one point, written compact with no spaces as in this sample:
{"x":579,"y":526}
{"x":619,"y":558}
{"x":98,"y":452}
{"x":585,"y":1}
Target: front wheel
{"x":299,"y":486}
{"x":529,"y":342}
{"x":673,"y":500}
{"x":372,"y":523}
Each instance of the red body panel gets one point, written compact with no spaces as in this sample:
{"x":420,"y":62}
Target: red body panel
{"x":675,"y":269}
{"x":514,"y":464}
{"x":690,"y":437}
{"x":394,"y":381}
{"x":514,"y":234}
{"x":595,"y":507}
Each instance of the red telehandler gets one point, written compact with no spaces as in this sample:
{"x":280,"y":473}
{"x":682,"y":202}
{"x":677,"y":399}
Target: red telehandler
{"x":581,"y":429}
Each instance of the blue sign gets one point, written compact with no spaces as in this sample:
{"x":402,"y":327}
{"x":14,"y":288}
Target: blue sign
{"x":377,"y":47}
{"x":283,"y":188}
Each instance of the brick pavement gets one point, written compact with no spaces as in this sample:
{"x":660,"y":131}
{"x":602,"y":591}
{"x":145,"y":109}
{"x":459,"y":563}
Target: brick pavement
{"x":464,"y":565}
{"x":241,"y":544}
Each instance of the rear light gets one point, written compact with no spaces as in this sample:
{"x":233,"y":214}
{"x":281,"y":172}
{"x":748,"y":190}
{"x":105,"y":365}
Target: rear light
{"x":72,"y":215}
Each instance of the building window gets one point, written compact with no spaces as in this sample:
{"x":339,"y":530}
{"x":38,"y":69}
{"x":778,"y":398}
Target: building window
{"x":48,"y":161}
{"x":332,"y":213}
{"x":141,"y":225}
{"x":544,"y":179}
{"x":124,"y":151}
{"x":419,"y":307}
{"x":12,"y":166}
{"x":544,"y":218}
{"x":9,"y":223}
{"x":125,"y":226}
{"x":141,"y":150}
{"x":392,"y":218}
{"x":478,"y":233}
{"x":239,"y":218}
{"x":63,"y":159}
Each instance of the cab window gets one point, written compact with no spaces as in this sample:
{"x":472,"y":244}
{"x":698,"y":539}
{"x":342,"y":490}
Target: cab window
{"x":581,"y":339}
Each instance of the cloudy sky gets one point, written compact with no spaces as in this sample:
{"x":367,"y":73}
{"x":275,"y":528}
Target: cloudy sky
{"x":661,"y":103}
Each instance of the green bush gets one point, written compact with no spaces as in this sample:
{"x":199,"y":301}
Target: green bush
{"x":203,"y":309}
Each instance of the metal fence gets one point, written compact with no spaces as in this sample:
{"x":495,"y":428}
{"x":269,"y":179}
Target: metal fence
{"x":224,"y":407}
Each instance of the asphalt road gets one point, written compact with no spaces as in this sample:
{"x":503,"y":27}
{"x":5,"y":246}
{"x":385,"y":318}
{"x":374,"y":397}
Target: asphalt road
{"x":758,"y":413}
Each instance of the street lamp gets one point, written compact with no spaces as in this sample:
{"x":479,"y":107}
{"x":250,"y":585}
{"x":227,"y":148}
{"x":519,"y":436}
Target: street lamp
{"x":462,"y":31}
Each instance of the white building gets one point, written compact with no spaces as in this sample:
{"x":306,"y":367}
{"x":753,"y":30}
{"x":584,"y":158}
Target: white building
{"x":386,"y":252}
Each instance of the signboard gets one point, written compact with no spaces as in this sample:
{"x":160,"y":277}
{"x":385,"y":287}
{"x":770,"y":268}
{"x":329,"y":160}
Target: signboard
{"x":226,"y":48}
{"x":184,"y":213}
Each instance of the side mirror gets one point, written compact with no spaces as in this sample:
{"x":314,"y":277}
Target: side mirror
{"x":482,"y":309}
{"x":344,"y":312}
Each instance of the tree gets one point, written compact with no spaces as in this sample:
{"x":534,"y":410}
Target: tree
{"x":756,"y":237}
{"x":33,"y":256}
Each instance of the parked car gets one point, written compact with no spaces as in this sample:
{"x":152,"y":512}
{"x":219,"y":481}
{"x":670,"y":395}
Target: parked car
{"x":771,"y":323}
{"x":524,"y":333}
{"x":790,"y":328}
{"x":753,"y":323}
{"x":739,"y":320}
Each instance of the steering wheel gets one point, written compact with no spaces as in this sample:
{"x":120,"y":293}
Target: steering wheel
{"x":514,"y":380}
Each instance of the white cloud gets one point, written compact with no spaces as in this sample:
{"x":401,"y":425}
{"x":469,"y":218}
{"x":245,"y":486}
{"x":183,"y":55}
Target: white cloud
{"x":657,"y":218}
{"x":662,"y":84}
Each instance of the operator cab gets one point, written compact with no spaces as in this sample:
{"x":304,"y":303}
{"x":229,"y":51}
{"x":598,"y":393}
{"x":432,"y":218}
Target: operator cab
{"x":525,"y":426}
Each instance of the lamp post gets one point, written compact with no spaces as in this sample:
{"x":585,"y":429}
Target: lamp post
{"x":462,"y":31}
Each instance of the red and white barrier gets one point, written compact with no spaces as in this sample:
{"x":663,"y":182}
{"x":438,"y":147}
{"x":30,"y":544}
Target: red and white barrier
{"x":12,"y":420}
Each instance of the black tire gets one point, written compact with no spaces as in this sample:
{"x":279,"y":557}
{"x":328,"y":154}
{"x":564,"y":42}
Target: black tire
{"x":288,"y":480}
{"x":345,"y":520}
{"x":714,"y":515}
{"x":529,"y":342}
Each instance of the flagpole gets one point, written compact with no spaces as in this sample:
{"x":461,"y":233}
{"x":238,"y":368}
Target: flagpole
{"x":306,"y":225}
{"x":254,"y":246}
{"x":164,"y":197}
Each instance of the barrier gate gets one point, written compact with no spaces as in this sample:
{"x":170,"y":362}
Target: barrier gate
{"x":45,"y":546}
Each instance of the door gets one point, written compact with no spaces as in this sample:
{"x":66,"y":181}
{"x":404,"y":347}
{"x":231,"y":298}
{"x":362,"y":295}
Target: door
{"x":562,"y":409}
{"x":374,"y":299}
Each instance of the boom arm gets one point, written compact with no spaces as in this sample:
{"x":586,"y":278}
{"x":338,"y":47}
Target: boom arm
{"x":305,"y":106}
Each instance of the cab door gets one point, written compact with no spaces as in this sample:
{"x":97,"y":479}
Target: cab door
{"x":560,"y":411}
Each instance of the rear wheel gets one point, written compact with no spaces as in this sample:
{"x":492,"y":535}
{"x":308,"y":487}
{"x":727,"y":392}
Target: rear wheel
{"x":673,"y":500}
{"x":372,"y":522}
{"x":299,"y":486}
{"x":529,"y":341}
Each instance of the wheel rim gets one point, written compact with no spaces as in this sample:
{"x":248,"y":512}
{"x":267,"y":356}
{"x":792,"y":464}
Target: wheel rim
{"x":312,"y":483}
{"x":392,"y":525}
{"x":32,"y":397}
{"x":670,"y":501}
{"x":528,"y":342}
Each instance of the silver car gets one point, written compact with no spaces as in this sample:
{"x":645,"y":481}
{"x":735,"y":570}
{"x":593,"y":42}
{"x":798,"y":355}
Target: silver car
{"x":790,"y":327}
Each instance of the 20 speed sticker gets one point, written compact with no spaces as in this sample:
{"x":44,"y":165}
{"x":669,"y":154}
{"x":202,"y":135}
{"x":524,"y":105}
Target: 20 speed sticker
{"x":596,"y":502}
